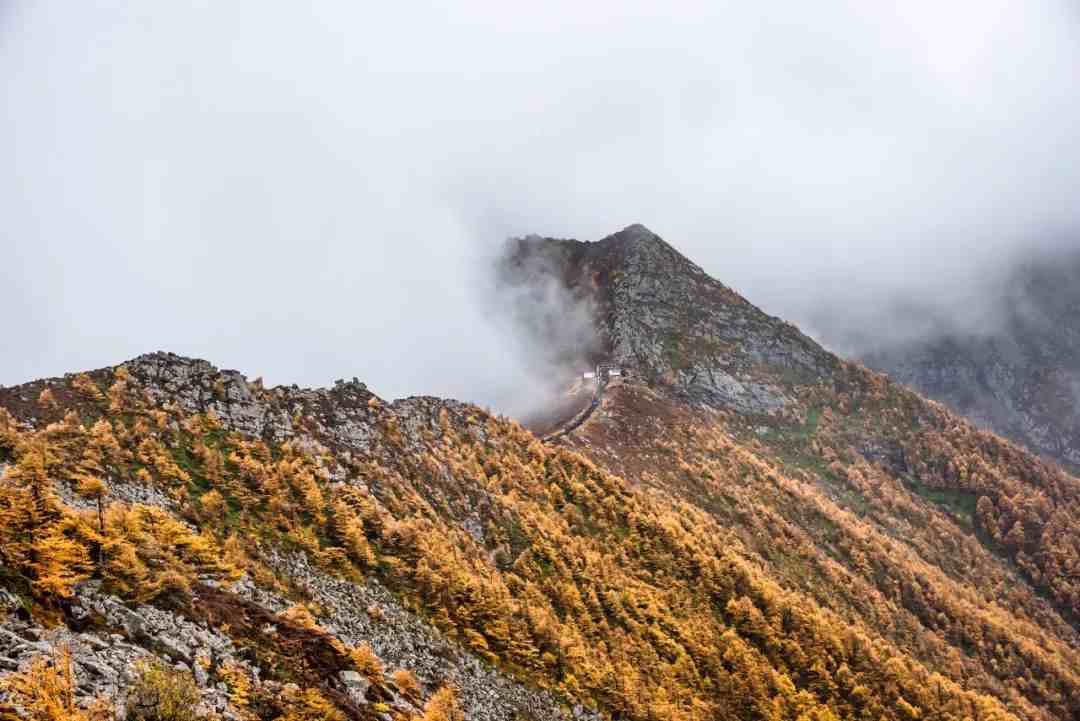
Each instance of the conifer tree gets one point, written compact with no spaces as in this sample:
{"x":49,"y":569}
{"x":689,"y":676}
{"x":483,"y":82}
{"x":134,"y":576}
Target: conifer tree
{"x":59,"y":561}
{"x":46,"y":692}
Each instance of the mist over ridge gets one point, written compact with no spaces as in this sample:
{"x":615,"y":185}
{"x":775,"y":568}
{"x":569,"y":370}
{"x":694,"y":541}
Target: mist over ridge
{"x":304,"y":196}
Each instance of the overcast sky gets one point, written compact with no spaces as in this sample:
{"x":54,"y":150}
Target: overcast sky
{"x":306,"y":193}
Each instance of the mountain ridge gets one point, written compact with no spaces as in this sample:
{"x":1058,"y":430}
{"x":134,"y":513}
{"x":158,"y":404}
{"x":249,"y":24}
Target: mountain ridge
{"x":815,"y":542}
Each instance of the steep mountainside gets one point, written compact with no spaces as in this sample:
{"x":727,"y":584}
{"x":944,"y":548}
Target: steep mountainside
{"x":743,"y":526}
{"x":1022,"y":378}
{"x":846,"y":484}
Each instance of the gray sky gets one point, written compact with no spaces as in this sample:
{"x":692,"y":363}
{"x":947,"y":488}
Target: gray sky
{"x":307,"y":194}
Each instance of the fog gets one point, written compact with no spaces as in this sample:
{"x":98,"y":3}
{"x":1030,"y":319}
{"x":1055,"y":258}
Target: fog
{"x":313,"y":193}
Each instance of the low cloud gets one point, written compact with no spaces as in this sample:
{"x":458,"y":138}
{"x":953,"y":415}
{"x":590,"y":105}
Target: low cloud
{"x":550,"y":331}
{"x":311,"y":193}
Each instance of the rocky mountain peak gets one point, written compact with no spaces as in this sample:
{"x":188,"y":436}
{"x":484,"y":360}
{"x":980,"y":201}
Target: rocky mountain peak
{"x":668,"y":323}
{"x":635,"y":247}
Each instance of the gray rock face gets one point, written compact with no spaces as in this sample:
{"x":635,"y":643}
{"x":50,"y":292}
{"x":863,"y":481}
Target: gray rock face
{"x":120,"y":489}
{"x":198,"y":387}
{"x":1020,"y":377}
{"x":356,"y":685}
{"x":672,"y":326}
{"x":668,"y":323}
{"x":346,"y":418}
{"x":105,"y":663}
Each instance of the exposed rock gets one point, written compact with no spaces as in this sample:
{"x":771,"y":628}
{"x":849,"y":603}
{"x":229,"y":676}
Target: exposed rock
{"x":402,"y":640}
{"x":355,"y":685}
{"x":105,"y":664}
{"x":120,"y":489}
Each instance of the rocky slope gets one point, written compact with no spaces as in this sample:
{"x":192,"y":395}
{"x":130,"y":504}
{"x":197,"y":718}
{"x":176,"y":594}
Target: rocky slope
{"x":1020,"y":376}
{"x":744,"y":526}
{"x":107,"y":631}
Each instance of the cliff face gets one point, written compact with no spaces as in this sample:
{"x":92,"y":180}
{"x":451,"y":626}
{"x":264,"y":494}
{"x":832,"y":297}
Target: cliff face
{"x":1021,"y":377}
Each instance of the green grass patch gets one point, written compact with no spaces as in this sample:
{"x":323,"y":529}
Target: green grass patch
{"x":958,"y":503}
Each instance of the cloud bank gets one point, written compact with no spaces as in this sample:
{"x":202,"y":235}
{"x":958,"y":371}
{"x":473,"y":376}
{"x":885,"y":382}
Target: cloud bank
{"x":311,"y":193}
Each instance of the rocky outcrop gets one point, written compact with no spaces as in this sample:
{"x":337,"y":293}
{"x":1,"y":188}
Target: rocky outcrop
{"x":113,"y":639}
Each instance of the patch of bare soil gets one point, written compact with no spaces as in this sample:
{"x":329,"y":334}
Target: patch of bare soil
{"x":630,"y":419}
{"x":294,"y":652}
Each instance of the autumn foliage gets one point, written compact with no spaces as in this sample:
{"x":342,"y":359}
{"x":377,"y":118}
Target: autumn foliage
{"x":46,"y":692}
{"x":718,"y":585}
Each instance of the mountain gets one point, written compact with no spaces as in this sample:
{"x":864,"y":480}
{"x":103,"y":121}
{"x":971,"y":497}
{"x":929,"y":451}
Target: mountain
{"x":741,"y":525}
{"x":661,"y":315}
{"x":1019,"y":377}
